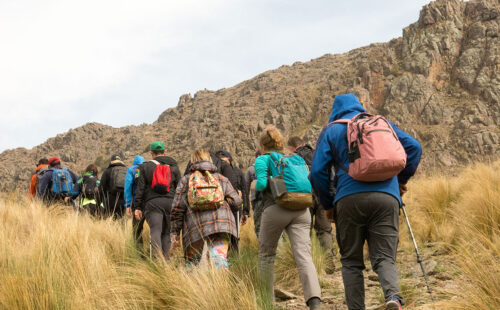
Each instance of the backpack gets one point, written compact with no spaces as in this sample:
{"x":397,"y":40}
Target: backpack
{"x":375,"y":153}
{"x":62,"y":184}
{"x":289,"y":183}
{"x":204,"y":191}
{"x":90,"y":186}
{"x":161,"y":178}
{"x":118,"y":174}
{"x":39,"y":176}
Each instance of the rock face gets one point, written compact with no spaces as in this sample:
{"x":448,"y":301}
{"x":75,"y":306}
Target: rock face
{"x":440,"y":82}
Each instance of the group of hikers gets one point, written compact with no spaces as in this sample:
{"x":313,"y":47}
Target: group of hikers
{"x":354,"y":178}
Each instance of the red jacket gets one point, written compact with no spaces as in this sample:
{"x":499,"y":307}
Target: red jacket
{"x":33,"y":183}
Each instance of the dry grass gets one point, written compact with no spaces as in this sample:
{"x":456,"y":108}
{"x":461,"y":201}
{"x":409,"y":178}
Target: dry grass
{"x":462,"y":214}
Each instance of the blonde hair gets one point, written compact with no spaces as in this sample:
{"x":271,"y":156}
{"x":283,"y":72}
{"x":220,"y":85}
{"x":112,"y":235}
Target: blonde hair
{"x":200,"y":155}
{"x":271,"y":139}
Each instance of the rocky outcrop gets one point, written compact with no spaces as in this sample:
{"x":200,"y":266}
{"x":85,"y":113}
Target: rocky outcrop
{"x":440,"y":81}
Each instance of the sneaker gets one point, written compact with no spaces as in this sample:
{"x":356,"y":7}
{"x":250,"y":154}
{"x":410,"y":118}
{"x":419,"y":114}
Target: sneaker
{"x":393,"y":303}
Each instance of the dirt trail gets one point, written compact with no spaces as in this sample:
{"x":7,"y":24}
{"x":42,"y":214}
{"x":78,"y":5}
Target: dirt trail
{"x":438,"y":264}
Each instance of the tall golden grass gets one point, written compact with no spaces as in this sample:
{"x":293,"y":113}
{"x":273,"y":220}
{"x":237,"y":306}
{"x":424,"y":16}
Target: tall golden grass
{"x":462,"y":215}
{"x":54,"y":259}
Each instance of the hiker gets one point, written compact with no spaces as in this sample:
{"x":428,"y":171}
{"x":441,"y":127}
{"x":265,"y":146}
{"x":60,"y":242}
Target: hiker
{"x":129,"y":193}
{"x":56,"y":185}
{"x":113,"y":185}
{"x":320,"y":223}
{"x":238,"y":183}
{"x":41,"y":168}
{"x":278,"y":218}
{"x":157,"y":180}
{"x":203,"y":209}
{"x":254,"y":196}
{"x":88,"y":189}
{"x":364,"y":210}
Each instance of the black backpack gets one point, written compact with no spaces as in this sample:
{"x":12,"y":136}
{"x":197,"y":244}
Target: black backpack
{"x":39,"y":176}
{"x":90,"y":186}
{"x":118,"y":174}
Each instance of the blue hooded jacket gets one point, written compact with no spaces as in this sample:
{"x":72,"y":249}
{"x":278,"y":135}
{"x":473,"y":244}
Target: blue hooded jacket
{"x":129,"y":189}
{"x":331,"y":148}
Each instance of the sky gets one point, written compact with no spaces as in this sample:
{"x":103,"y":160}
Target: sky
{"x":64,"y":63}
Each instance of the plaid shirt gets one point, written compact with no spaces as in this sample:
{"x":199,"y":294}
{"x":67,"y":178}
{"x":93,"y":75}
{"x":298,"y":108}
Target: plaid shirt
{"x":196,"y":225}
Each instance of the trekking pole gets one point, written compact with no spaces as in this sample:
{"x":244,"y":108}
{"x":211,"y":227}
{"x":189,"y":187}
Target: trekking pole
{"x":238,"y":227}
{"x":419,"y":258}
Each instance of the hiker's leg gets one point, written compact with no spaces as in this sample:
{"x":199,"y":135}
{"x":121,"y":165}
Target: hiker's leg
{"x":155,"y":222}
{"x":218,"y":247}
{"x":382,"y":238}
{"x":273,"y":222}
{"x":165,"y":235}
{"x":324,"y":232}
{"x":351,"y":233}
{"x":298,"y":232}
{"x":257,"y":214}
{"x":193,"y":252}
{"x":323,"y":229}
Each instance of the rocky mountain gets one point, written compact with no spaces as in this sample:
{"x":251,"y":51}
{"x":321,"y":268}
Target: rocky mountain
{"x":440,"y":81}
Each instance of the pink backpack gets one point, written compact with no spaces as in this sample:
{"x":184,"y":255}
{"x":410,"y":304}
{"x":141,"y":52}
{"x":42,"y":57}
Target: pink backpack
{"x":375,"y":153}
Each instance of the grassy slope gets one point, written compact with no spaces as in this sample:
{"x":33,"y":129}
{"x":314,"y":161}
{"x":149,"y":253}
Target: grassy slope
{"x":53,"y":259}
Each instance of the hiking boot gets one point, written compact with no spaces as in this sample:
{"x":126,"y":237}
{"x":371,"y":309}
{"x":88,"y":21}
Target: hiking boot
{"x":393,"y":303}
{"x":314,"y":303}
{"x":329,"y":263}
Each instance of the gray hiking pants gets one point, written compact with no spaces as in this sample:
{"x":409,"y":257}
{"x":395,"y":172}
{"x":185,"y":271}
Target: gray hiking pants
{"x":371,"y":217}
{"x":157,"y":213}
{"x":323,"y":227}
{"x":297,"y":225}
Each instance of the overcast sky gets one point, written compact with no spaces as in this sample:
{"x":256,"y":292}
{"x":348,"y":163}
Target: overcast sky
{"x":65,"y":63}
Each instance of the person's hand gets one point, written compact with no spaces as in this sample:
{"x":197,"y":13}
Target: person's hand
{"x":128,"y":211}
{"x":252,"y":185}
{"x":329,"y":215}
{"x":240,"y":194}
{"x":403,"y":188}
{"x":138,"y":214}
{"x":66,"y":199}
{"x":244,"y":219}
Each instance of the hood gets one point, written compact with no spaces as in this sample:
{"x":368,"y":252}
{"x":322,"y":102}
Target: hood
{"x":40,"y":167}
{"x":138,"y":160}
{"x":166,"y":160}
{"x":345,"y":107}
{"x":204,"y":165}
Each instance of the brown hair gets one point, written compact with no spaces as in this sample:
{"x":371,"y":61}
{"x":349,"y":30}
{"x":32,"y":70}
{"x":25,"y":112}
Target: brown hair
{"x":92,"y":168}
{"x":200,"y":155}
{"x":295,"y":141}
{"x":271,"y":139}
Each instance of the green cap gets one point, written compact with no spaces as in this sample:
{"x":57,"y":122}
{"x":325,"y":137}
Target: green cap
{"x":157,"y":146}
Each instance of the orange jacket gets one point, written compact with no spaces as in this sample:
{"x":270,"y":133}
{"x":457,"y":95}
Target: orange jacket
{"x":32,"y":190}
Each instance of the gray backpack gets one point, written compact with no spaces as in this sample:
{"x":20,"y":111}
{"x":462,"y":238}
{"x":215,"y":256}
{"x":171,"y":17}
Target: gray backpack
{"x":39,"y":176}
{"x":118,"y":174}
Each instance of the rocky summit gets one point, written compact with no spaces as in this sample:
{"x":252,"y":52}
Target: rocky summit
{"x":440,"y":82}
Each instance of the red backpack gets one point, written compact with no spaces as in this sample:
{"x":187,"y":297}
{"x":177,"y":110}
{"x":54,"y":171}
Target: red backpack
{"x":161,"y":178}
{"x":375,"y":153}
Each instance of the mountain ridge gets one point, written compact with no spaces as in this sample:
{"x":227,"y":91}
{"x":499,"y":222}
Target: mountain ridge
{"x":440,"y":82}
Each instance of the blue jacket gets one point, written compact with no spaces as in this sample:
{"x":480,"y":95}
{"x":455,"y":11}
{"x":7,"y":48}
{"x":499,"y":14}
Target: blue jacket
{"x":332,"y":147}
{"x":129,"y":190}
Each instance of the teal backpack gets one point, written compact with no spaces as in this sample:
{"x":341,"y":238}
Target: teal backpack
{"x":289,"y":183}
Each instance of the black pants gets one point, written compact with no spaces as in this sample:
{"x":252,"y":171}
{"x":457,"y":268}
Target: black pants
{"x":157,"y":214}
{"x":138,"y":226}
{"x":371,"y":217}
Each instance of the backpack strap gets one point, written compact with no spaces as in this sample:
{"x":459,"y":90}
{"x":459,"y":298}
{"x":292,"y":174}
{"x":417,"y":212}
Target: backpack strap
{"x":154,"y":161}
